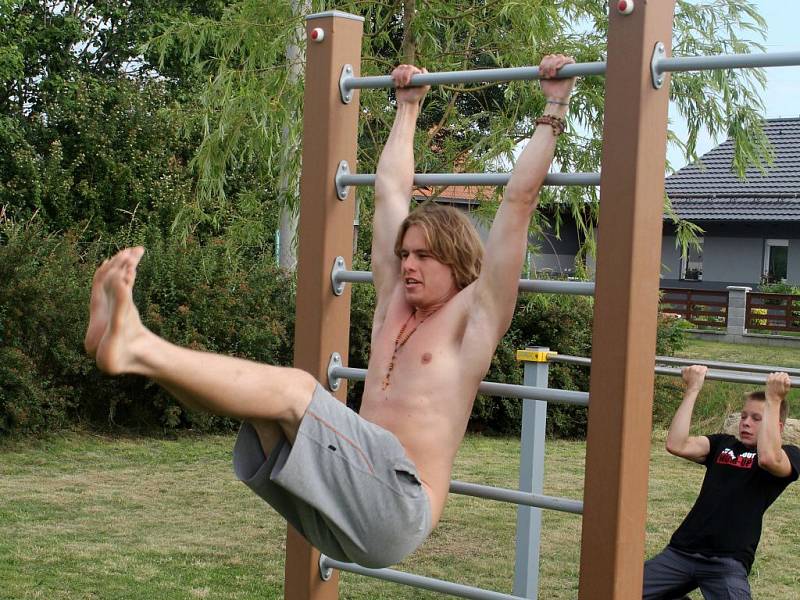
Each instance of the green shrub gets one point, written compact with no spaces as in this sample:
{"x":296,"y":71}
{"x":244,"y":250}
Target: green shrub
{"x":671,"y":334}
{"x":778,"y":287}
{"x":210,"y":298}
{"x":42,"y":288}
{"x":200,"y":296}
{"x":561,"y":323}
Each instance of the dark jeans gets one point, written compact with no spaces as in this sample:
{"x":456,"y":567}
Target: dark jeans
{"x":672,"y":574}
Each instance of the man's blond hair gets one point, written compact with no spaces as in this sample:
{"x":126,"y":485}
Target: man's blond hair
{"x":449,"y":236}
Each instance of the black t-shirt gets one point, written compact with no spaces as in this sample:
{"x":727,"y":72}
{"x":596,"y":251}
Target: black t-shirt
{"x":726,"y":517}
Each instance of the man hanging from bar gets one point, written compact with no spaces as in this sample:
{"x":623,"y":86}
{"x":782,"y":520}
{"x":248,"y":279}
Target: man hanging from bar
{"x":714,"y":547}
{"x":364,"y":488}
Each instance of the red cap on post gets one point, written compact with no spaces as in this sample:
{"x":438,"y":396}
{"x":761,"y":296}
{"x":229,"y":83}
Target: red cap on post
{"x":318,"y":34}
{"x":625,"y":7}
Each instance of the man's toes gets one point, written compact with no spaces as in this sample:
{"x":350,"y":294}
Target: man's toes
{"x":101,"y":271}
{"x":131,"y":256}
{"x":136,"y":254}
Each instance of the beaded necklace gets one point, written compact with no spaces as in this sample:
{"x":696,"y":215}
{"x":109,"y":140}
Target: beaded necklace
{"x":400,"y":341}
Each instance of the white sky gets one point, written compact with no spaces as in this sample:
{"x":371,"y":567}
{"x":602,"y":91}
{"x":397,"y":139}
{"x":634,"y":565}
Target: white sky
{"x":782,"y":95}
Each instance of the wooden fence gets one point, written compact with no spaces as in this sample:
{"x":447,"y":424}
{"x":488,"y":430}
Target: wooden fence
{"x":772,"y":312}
{"x":699,"y":307}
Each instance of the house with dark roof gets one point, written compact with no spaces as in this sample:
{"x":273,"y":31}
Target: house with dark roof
{"x":751,"y":226}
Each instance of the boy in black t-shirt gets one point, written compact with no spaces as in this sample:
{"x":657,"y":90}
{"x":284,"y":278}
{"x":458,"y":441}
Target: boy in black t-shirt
{"x":714,"y":547}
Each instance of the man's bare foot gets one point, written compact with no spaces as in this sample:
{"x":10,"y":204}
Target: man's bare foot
{"x":114,"y":322}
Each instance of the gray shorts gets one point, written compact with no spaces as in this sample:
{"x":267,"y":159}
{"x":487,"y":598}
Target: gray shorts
{"x":346,"y":484}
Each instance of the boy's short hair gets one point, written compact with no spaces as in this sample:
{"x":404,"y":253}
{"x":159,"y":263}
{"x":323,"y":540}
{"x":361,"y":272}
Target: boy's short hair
{"x":449,"y":236}
{"x":762,"y":397}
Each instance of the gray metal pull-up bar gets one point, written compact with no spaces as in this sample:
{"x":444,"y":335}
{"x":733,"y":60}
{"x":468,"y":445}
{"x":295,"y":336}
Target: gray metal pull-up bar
{"x":726,"y":366}
{"x":348,"y":83}
{"x":344,"y":179}
{"x":474,"y":179}
{"x":340,"y":275}
{"x":507,"y":390}
{"x":327,"y":564}
{"x":728,"y":61}
{"x":728,"y":374}
{"x":516,"y":497}
{"x":660,"y":65}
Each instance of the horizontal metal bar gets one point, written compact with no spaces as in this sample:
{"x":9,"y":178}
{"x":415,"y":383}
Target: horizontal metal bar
{"x":727,"y":61}
{"x":510,"y":390}
{"x":475,"y":179}
{"x":507,"y":390}
{"x":726,"y":366}
{"x":542,"y":286}
{"x":475,"y":76}
{"x":517,"y":497}
{"x":570,"y":360}
{"x":730,"y":376}
{"x":717,"y":375}
{"x":348,"y":373}
{"x":557,"y":286}
{"x":663,"y":65}
{"x":418,"y":581}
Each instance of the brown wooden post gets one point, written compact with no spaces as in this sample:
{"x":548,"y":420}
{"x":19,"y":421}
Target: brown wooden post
{"x":626,"y":303}
{"x":330,"y":134}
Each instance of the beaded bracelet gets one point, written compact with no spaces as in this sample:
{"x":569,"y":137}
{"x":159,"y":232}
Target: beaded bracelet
{"x":559,"y":102}
{"x":557,"y":123}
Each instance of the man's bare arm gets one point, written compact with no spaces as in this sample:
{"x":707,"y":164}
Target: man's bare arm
{"x":496,"y":287}
{"x":679,"y":442}
{"x":393,"y":184}
{"x":771,"y":456}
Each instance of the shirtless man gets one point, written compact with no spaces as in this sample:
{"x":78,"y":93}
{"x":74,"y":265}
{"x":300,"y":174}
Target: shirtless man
{"x":365,"y":488}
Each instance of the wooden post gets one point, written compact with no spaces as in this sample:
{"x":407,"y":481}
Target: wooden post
{"x":330,"y":134}
{"x":626,"y":301}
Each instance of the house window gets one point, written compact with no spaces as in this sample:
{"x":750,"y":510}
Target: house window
{"x":692,"y":263}
{"x":776,"y":258}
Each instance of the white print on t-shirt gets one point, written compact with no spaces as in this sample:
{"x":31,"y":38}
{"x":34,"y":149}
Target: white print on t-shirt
{"x":744,"y":461}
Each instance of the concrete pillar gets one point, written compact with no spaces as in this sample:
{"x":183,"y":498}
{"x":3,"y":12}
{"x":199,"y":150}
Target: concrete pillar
{"x":737,"y":309}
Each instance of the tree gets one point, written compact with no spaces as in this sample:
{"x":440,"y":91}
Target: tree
{"x":86,"y":133}
{"x":249,"y":98}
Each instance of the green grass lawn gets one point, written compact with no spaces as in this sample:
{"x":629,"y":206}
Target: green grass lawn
{"x":742,"y":353}
{"x":89,"y":517}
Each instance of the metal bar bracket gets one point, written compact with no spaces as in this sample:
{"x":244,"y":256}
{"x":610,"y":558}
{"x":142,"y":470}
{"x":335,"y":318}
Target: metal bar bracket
{"x":341,"y":188}
{"x":345,"y":92}
{"x":337,"y":286}
{"x":325,"y":572}
{"x":333,"y":363}
{"x":656,"y":75}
